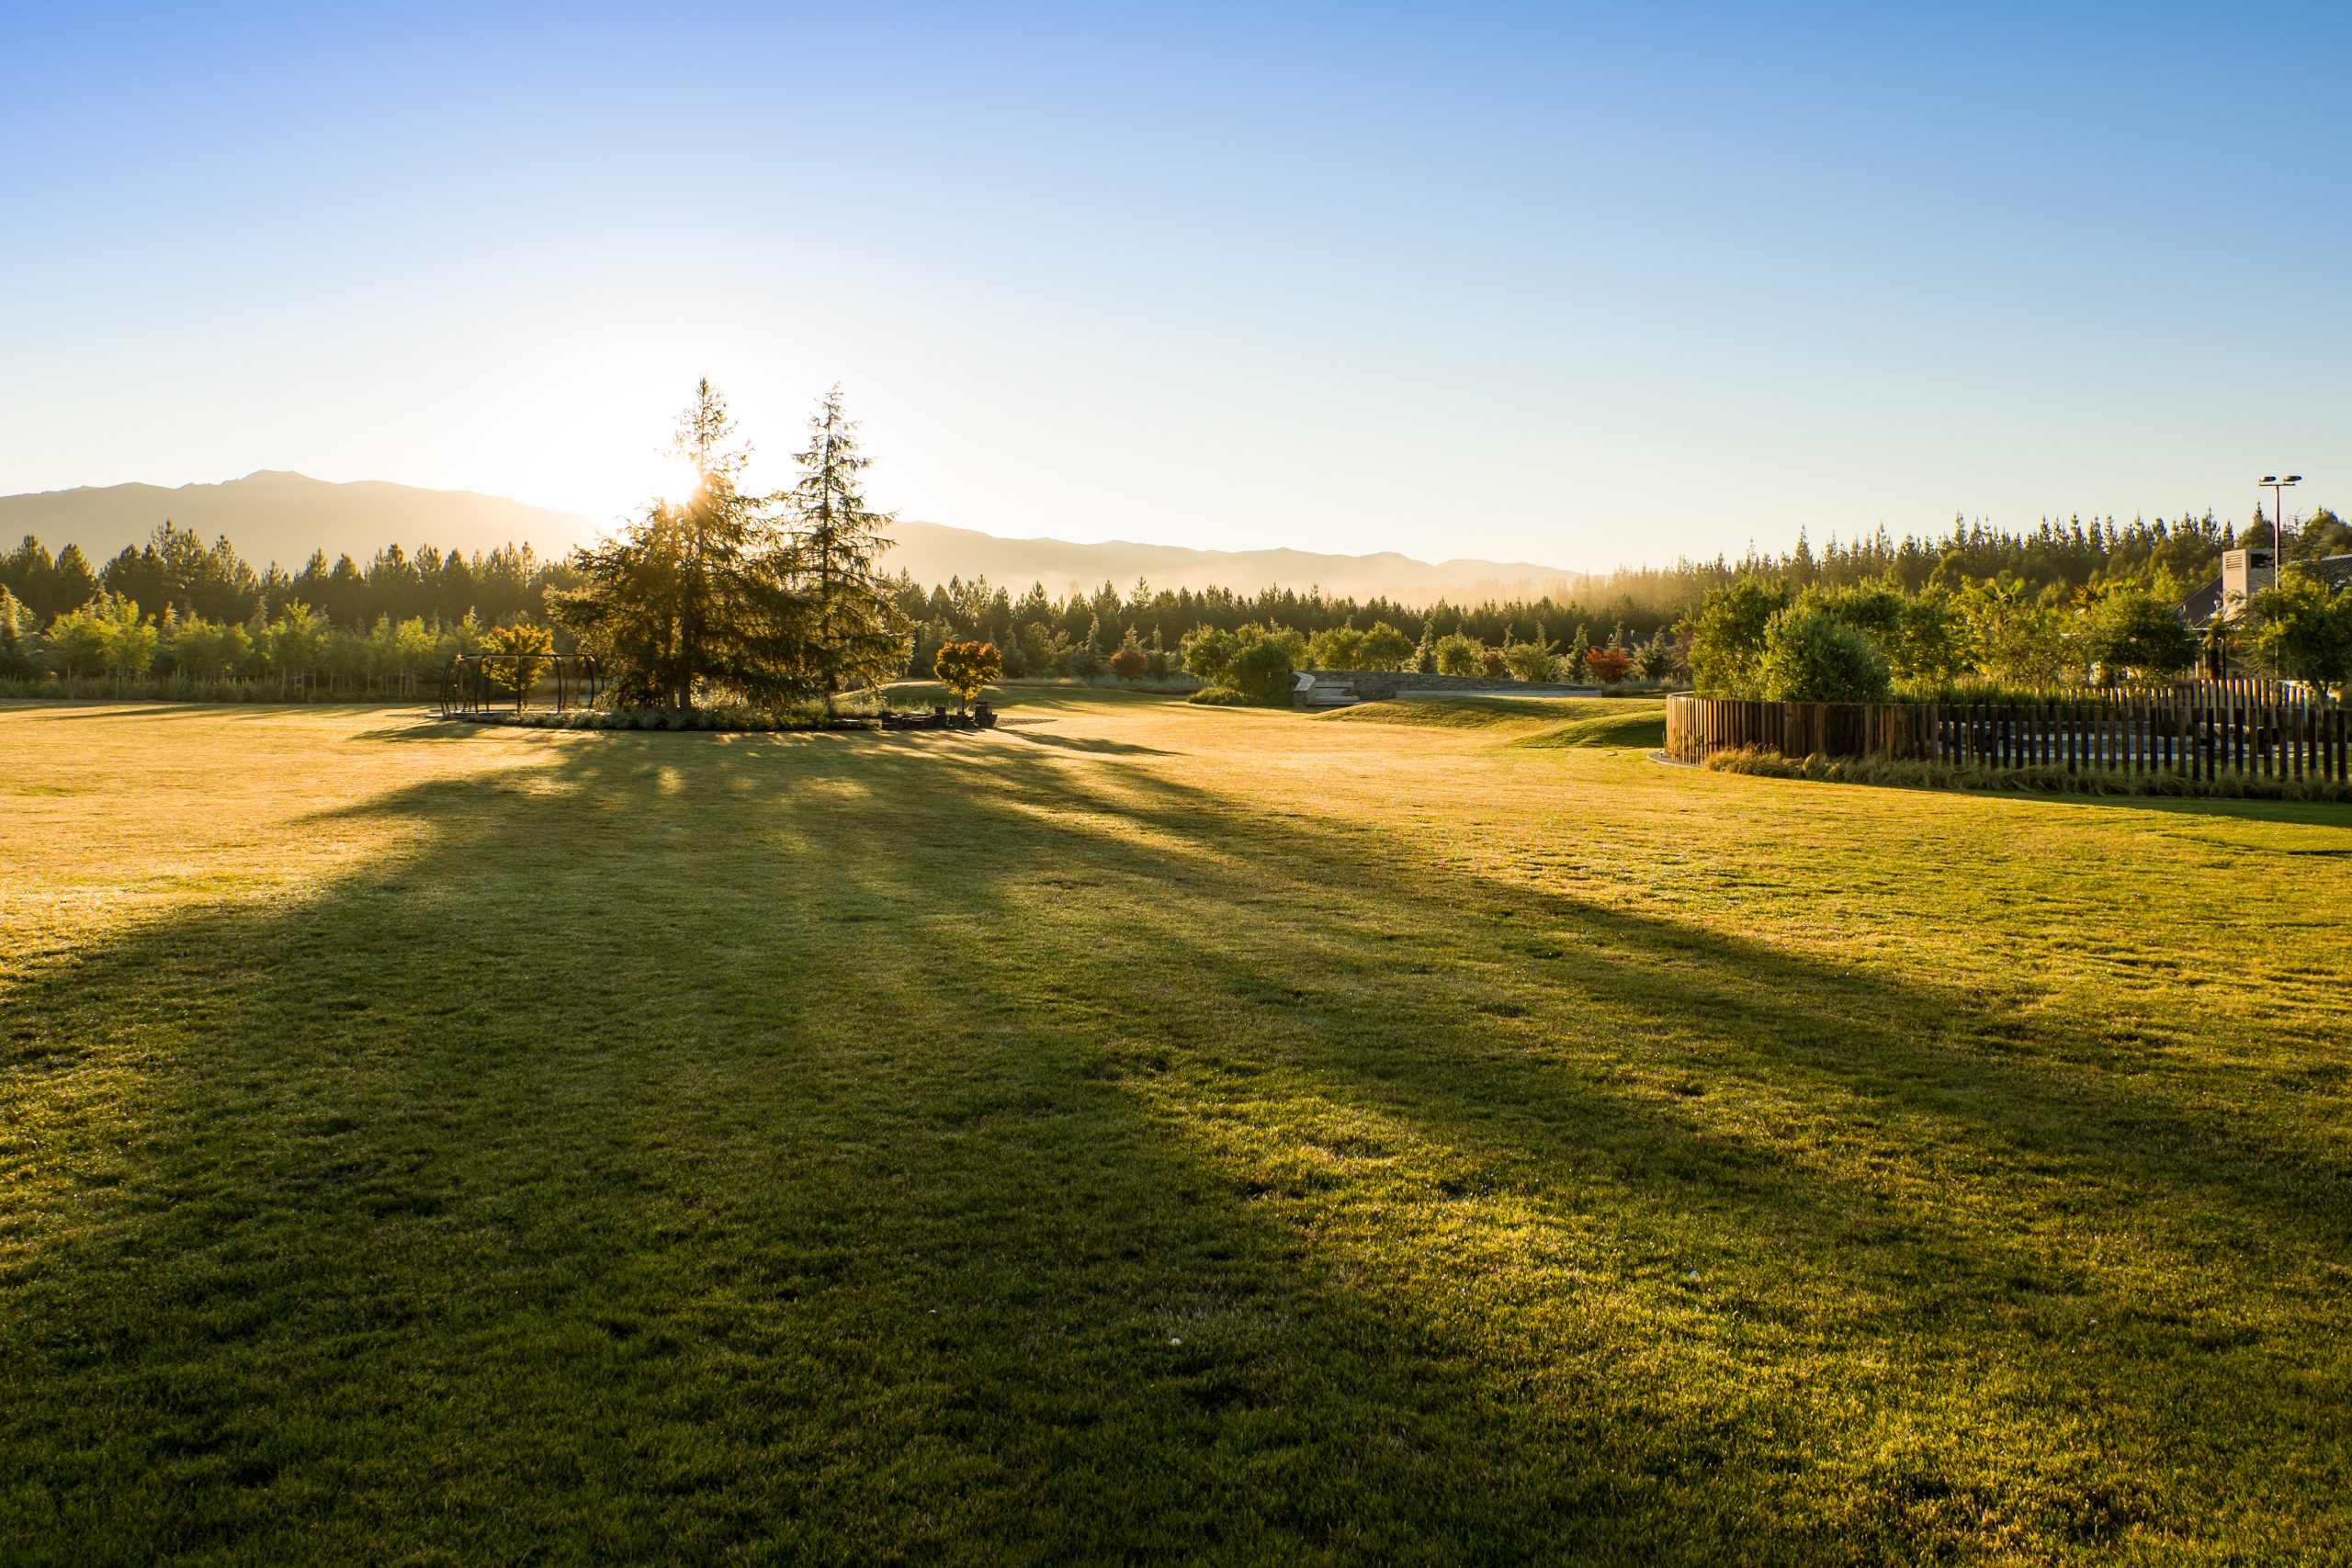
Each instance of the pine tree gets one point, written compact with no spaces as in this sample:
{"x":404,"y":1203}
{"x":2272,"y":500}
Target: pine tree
{"x":16,"y":660}
{"x":853,"y":634}
{"x":72,"y":584}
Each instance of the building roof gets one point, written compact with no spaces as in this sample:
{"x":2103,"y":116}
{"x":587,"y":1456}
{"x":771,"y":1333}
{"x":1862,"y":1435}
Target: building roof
{"x":2202,"y":607}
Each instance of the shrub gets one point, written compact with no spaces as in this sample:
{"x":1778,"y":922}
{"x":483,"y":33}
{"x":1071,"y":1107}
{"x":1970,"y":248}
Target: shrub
{"x":1334,"y":648}
{"x":2133,"y":632}
{"x":1130,"y":664}
{"x":1262,"y":671}
{"x":1491,"y":664}
{"x":1385,"y":648}
{"x":2302,"y":628}
{"x":1656,"y":659}
{"x":1208,"y":653}
{"x":2020,"y":640}
{"x":1458,"y":654}
{"x":1218,"y":698}
{"x":78,"y":641}
{"x":1932,"y":650}
{"x":1810,"y":656}
{"x":1607,"y":665}
{"x":1532,"y":661}
{"x":1727,"y":636}
{"x":1873,"y":609}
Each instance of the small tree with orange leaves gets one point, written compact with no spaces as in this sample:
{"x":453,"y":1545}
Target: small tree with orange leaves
{"x":966,"y":667}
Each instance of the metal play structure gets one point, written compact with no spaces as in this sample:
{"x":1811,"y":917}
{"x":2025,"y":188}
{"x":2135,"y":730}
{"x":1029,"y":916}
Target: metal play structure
{"x":475,"y":684}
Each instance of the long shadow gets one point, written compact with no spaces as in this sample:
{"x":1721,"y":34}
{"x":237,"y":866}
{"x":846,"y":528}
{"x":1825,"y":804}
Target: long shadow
{"x":2311,"y":813}
{"x":134,"y":707}
{"x":1980,"y":1066}
{"x":726,"y":1142}
{"x":1090,"y":745}
{"x":488,"y":1200}
{"x":2303,"y":813}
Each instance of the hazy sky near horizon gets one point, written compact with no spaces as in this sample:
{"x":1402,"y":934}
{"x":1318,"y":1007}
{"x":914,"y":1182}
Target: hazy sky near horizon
{"x":1566,"y":283}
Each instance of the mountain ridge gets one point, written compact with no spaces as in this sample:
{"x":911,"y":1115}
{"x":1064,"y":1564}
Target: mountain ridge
{"x":278,"y":514}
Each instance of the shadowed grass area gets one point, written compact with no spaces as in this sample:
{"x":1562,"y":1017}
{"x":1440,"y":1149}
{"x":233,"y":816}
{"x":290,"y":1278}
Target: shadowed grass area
{"x":1151,"y":1130}
{"x":1637,"y":723}
{"x":1640,"y":725}
{"x":1479,"y":713}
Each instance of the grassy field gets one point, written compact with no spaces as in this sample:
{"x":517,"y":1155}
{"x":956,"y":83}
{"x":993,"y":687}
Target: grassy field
{"x":1412,"y":1132}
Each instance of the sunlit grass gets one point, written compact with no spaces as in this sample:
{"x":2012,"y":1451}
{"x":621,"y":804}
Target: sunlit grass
{"x":1144,"y":1128}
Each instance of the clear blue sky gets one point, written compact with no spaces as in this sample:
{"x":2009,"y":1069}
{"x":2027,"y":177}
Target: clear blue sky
{"x":1573,"y":285}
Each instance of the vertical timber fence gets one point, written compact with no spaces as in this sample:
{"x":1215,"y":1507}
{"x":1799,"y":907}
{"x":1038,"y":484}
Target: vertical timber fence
{"x":2206,"y":729}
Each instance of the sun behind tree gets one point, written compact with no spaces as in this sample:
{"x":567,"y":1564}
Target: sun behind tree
{"x":697,"y":595}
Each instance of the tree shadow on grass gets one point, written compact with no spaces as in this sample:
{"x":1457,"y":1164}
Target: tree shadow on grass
{"x":2301,"y":813}
{"x":1091,"y":745}
{"x":2305,"y":813}
{"x":426,"y":728}
{"x":829,"y":1146}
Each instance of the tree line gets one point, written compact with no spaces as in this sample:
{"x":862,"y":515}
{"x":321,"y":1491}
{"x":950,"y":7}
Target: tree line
{"x":1770,"y":639}
{"x":782,"y":596}
{"x":175,"y":569}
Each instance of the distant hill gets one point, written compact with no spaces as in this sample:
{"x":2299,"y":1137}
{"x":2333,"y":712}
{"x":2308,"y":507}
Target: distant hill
{"x":934,"y":552}
{"x":283,"y":517}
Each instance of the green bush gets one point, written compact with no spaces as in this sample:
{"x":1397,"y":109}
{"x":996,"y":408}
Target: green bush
{"x":1727,"y":636}
{"x":1218,"y":698}
{"x":2132,"y":633}
{"x":1208,"y":654}
{"x":1459,"y":654}
{"x":1263,"y":669}
{"x":1811,"y":656}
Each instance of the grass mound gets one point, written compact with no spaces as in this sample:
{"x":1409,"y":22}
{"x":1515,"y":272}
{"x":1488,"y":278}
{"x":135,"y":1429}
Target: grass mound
{"x":1475,"y":712}
{"x":1635,"y":724}
{"x":1525,"y":721}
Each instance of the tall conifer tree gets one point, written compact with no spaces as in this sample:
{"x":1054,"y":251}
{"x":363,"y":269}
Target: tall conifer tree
{"x":854,"y":632}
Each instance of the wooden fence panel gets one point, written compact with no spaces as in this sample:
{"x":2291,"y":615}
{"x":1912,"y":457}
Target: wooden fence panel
{"x":2199,"y":731}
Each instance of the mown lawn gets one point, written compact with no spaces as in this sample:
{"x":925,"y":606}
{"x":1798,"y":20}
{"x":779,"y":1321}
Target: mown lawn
{"x":1145,"y":1130}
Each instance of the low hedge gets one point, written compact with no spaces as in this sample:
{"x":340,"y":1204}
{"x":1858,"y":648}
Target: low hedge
{"x":1904,"y":773}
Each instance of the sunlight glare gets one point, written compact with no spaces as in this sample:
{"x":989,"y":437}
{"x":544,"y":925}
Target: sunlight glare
{"x":667,"y":477}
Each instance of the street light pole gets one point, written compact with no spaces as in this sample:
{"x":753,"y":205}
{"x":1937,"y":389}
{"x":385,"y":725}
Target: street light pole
{"x":2278,"y":519}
